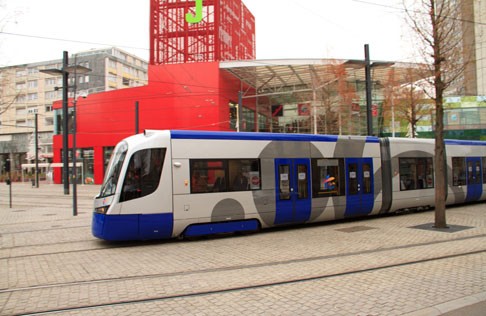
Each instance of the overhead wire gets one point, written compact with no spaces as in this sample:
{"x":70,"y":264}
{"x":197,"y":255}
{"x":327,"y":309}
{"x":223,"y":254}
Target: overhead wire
{"x":71,"y":40}
{"x":215,"y":89}
{"x":299,"y":3}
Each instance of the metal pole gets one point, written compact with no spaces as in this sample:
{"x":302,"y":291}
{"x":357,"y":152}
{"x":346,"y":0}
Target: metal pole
{"x":239,"y":110}
{"x":393,"y":116}
{"x":10,"y":188}
{"x":137,"y":117}
{"x":75,"y":167}
{"x":9,"y":170}
{"x":65,"y":126}
{"x":314,"y":108}
{"x":36,"y":144}
{"x":368,"y":90}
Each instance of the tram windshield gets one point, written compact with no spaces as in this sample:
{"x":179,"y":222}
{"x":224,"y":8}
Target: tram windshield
{"x":113,"y":170}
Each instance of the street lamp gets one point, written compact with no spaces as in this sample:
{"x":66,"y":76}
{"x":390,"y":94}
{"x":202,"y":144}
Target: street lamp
{"x":367,"y":64}
{"x":64,"y":71}
{"x":77,"y":70}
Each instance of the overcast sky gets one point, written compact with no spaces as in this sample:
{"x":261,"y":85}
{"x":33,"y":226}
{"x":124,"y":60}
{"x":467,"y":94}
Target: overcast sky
{"x":40,"y":30}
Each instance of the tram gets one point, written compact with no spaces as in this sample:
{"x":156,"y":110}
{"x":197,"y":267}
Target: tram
{"x":167,"y":184}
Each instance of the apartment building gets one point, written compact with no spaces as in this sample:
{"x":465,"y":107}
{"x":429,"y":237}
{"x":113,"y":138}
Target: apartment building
{"x":27,"y":93}
{"x":474,"y":43}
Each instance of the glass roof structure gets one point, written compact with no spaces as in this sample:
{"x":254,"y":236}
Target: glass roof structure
{"x":273,"y":77}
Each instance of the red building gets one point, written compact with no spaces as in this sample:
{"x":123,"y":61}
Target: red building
{"x":186,"y":88}
{"x":225,"y":32}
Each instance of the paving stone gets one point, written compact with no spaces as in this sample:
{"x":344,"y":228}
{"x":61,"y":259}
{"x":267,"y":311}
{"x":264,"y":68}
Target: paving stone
{"x":378,"y":266}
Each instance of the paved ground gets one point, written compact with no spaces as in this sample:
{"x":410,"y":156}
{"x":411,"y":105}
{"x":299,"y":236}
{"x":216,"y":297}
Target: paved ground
{"x":50,"y":263}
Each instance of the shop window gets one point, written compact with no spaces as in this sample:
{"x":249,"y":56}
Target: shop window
{"x":328,"y":177}
{"x":233,"y":115}
{"x":458,"y":171}
{"x":416,"y":173}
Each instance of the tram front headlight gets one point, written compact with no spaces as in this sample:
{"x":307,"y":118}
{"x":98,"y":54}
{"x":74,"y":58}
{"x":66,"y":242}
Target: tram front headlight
{"x":102,"y":210}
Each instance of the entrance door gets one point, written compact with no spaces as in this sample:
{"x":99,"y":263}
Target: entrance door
{"x":359,"y":186}
{"x":293,"y":195}
{"x":474,"y":181}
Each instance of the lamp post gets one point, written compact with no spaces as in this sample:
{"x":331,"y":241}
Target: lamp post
{"x":369,"y":118}
{"x":75,"y":167}
{"x":36,"y":151}
{"x":368,"y":65}
{"x":64,"y":71}
{"x":77,"y":70}
{"x":65,"y":144}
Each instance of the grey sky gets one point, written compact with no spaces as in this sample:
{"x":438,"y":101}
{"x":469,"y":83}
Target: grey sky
{"x":284,"y":28}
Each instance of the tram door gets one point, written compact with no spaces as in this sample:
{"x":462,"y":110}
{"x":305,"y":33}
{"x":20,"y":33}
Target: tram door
{"x":293,"y":190}
{"x":474,"y":181}
{"x":359,"y":186}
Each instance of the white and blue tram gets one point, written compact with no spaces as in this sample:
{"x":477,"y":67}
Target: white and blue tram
{"x":164,"y":184}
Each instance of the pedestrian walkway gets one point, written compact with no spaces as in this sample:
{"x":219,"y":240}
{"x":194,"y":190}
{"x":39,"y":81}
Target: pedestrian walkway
{"x":392,"y":265}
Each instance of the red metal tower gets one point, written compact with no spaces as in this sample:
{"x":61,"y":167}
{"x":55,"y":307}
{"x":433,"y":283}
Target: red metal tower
{"x":226,"y":32}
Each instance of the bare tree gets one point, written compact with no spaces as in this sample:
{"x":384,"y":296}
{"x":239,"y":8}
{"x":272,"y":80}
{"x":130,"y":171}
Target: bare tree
{"x":438,"y":25}
{"x":7,"y":99}
{"x":347,"y":96}
{"x":410,"y":105}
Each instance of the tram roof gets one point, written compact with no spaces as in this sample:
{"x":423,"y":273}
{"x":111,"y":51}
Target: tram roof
{"x":269,"y":77}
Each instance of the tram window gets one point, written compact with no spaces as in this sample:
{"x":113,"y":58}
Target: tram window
{"x":367,"y":181}
{"x":208,"y":176}
{"x":353,"y":184}
{"x":458,"y":171}
{"x":225,"y":175}
{"x":327,"y":177}
{"x":484,"y":169}
{"x":284,"y":182}
{"x":143,"y":173}
{"x":302,"y":181}
{"x":416,"y":173}
{"x":474,"y":172}
{"x":244,"y":174}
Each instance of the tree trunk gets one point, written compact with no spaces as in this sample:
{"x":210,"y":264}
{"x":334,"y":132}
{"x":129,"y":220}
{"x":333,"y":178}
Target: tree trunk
{"x":440,"y":158}
{"x":440,"y":171}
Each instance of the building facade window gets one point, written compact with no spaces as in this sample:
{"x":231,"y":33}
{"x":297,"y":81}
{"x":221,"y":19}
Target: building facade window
{"x":22,"y":98}
{"x":86,"y":156}
{"x":32,"y":84}
{"x":20,"y":85}
{"x":53,"y":95}
{"x":21,"y":72}
{"x":248,"y":120}
{"x":52,"y":81}
{"x":32,"y":96}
